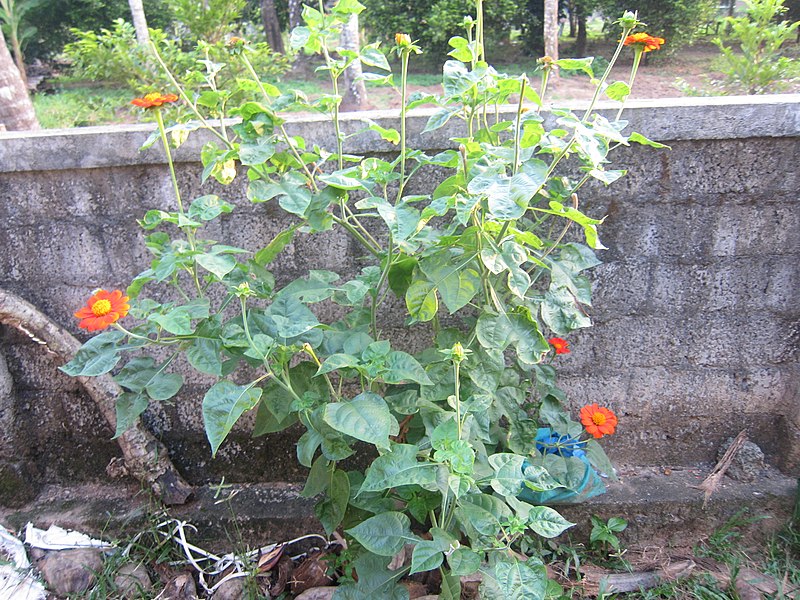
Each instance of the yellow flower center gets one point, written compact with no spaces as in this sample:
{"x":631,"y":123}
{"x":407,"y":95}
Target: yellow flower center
{"x":598,"y":418}
{"x":101,"y":308}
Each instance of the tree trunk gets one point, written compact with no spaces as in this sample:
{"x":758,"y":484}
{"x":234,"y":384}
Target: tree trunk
{"x":272,"y":28}
{"x":295,"y":8}
{"x":145,"y":457}
{"x":139,"y":22}
{"x":16,"y":109}
{"x":573,"y":19}
{"x":580,"y":39}
{"x":551,"y":31}
{"x":354,"y":94}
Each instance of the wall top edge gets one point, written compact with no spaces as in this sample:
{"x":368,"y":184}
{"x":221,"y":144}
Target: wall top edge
{"x":664,"y":120}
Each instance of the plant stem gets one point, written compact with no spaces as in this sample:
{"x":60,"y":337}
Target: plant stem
{"x":637,"y":57}
{"x":403,"y":91}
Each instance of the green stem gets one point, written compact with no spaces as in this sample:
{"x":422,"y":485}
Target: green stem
{"x":381,"y":282}
{"x":637,"y":57}
{"x":186,"y":99}
{"x":356,"y":235}
{"x":607,"y":72}
{"x":403,"y":91}
{"x":255,"y":76}
{"x":165,"y":143}
{"x":518,"y":130}
{"x":543,"y":88}
{"x":457,"y":388}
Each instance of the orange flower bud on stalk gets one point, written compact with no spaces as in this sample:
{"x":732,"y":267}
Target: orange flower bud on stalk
{"x":402,"y":39}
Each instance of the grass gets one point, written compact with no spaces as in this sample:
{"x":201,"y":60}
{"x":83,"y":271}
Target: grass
{"x":81,"y":107}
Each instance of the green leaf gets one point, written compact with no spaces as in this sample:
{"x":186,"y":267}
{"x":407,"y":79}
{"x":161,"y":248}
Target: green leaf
{"x":289,"y":318}
{"x":206,"y":208}
{"x":338,"y":361}
{"x":520,"y":581}
{"x":440,"y":118}
{"x":384,"y":534}
{"x":577,"y":64}
{"x":562,"y":313}
{"x":375,"y":581}
{"x":401,"y":367}
{"x":366,"y":417}
{"x":400,"y":275}
{"x":421,"y":301}
{"x":456,"y":277}
{"x":293,"y":195}
{"x":179,"y":319}
{"x":268,"y":253}
{"x":397,"y":468}
{"x":223,"y":404}
{"x":547,"y":522}
{"x":318,"y":478}
{"x":508,"y":478}
{"x":97,"y":356}
{"x":464,"y":561}
{"x":427,"y":556}
{"x":203,"y":355}
{"x":218,"y":264}
{"x":331,"y":509}
{"x":451,"y":587}
{"x":619,"y":90}
{"x":256,"y":152}
{"x":599,"y":460}
{"x":373,"y":57}
{"x":508,"y":197}
{"x":390,"y":135}
{"x":638,"y":138}
{"x":497,"y":332}
{"x":129,"y":407}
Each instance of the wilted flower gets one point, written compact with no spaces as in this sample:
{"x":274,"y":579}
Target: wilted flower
{"x":103,"y":309}
{"x":154,"y":100}
{"x":598,"y":420}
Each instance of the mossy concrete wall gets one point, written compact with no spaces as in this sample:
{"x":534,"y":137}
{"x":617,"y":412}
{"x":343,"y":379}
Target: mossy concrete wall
{"x":696,"y":311}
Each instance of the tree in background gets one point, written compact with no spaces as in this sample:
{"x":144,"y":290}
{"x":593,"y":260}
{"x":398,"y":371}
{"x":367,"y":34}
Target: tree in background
{"x":139,"y":22}
{"x":758,"y":65}
{"x":16,"y":110}
{"x":550,"y":31}
{"x":272,"y":26}
{"x":17,"y":28}
{"x":55,"y":18}
{"x":678,"y":21}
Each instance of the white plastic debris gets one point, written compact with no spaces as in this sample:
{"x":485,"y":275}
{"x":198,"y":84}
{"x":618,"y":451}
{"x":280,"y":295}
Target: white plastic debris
{"x":57,"y":538}
{"x":16,"y":580}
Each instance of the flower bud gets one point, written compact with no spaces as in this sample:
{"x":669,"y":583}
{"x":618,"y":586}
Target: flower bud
{"x":629,"y":20}
{"x":402,"y":39}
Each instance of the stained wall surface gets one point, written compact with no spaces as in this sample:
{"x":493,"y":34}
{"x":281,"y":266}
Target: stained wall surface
{"x":696,"y":312}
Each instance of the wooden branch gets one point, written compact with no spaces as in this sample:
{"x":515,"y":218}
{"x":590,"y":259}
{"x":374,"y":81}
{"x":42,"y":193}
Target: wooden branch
{"x":712,"y":482}
{"x":146,"y":458}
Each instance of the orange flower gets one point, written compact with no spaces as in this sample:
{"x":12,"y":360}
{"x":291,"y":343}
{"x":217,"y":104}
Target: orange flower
{"x":103,"y":309}
{"x":560,"y":345}
{"x":402,"y":39}
{"x":154,"y":100}
{"x":598,"y":420}
{"x":644,"y":41}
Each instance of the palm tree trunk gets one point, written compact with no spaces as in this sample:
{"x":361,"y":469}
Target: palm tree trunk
{"x":139,"y":22}
{"x":16,"y":109}
{"x":354,"y":96}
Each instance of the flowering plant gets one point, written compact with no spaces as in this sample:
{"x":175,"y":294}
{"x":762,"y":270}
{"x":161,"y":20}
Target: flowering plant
{"x":483,"y":260}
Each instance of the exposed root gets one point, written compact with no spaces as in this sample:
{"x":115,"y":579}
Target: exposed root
{"x":146,"y":458}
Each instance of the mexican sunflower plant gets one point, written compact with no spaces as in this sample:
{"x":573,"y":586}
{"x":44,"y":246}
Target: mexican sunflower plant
{"x":485,"y":247}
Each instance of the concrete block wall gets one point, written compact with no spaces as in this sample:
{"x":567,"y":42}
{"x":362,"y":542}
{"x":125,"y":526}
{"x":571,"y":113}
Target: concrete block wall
{"x":697,"y":320}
